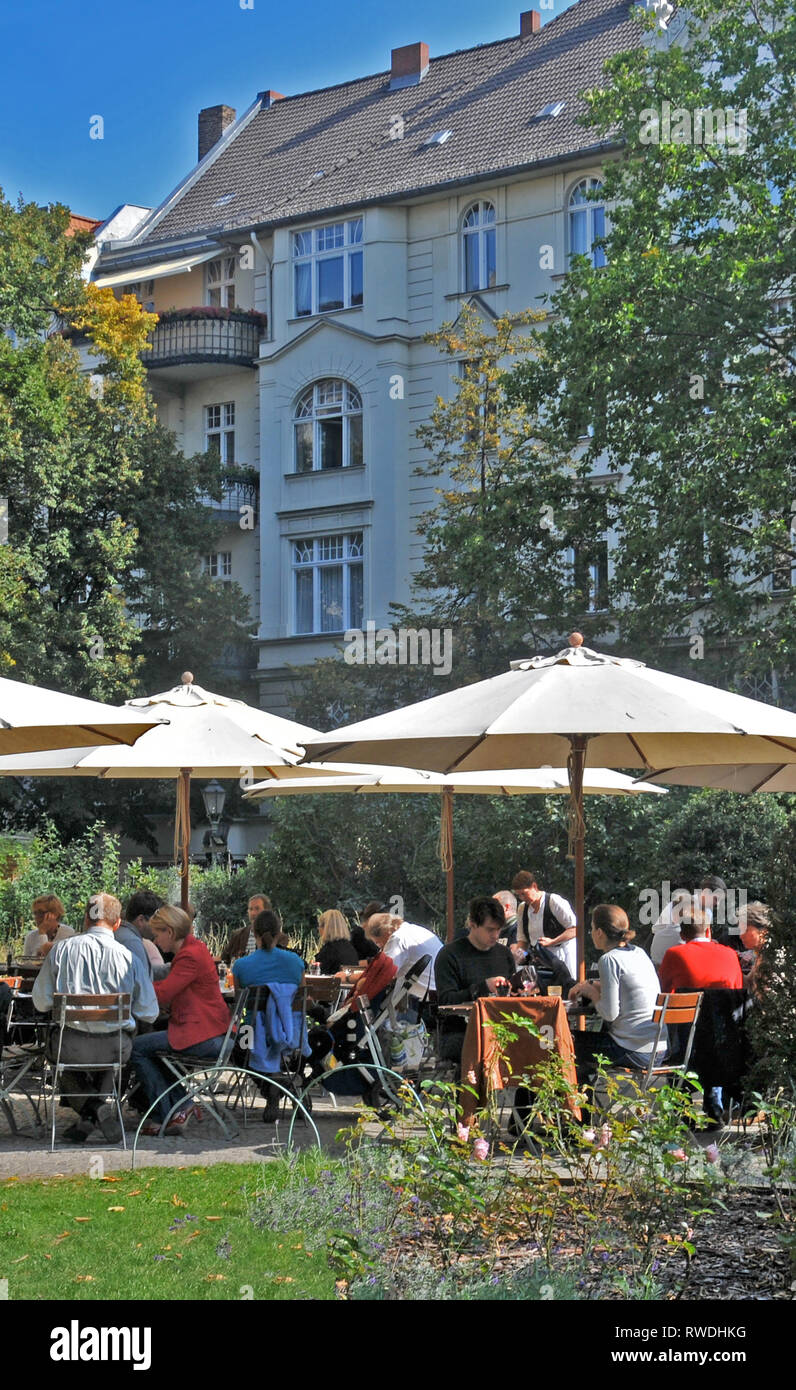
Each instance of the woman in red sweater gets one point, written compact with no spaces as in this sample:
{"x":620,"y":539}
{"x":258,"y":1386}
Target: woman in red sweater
{"x":198,"y":1018}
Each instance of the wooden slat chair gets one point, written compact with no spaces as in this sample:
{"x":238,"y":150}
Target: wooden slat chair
{"x":669,"y":1010}
{"x":71,"y":1009}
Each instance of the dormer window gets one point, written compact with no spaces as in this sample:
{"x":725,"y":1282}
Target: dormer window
{"x":479,"y":252}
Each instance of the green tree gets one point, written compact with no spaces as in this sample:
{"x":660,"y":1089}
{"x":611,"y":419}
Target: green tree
{"x":99,"y":573}
{"x":678,"y":354}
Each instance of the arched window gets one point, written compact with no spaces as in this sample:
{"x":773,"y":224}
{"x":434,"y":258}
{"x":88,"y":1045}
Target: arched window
{"x":478,"y":237}
{"x":327,"y":427}
{"x":586,"y":221}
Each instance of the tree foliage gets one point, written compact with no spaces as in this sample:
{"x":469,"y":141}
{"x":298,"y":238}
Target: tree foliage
{"x":99,"y":574}
{"x":678,"y":355}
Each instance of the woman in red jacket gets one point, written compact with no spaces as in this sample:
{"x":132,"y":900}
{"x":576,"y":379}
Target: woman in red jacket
{"x":198,"y":1018}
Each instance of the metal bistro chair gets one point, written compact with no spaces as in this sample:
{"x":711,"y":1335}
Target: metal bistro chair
{"x":291,"y":1071}
{"x":186,"y":1068}
{"x":397,"y":997}
{"x":71,"y":1009}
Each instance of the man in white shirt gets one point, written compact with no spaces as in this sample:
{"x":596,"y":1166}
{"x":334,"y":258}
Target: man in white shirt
{"x":545,"y":919}
{"x":94,"y":963}
{"x":47,"y":911}
{"x":405,"y":943}
{"x":666,"y":931}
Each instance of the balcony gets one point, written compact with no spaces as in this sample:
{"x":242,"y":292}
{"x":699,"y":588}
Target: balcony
{"x":192,"y":343}
{"x":241,"y":488}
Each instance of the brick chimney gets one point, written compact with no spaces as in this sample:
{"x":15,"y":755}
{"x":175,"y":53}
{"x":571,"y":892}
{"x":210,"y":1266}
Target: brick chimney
{"x":268,"y":98}
{"x":213,"y":121}
{"x":530,"y":23}
{"x":408,"y":65}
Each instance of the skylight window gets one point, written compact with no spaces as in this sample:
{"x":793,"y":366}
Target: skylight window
{"x":553,"y":108}
{"x":226,"y":198}
{"x":438,"y":138}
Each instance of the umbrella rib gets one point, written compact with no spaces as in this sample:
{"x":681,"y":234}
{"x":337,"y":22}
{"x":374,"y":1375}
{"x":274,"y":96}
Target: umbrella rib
{"x":452,"y":767}
{"x":642,"y":755}
{"x":769,"y":777}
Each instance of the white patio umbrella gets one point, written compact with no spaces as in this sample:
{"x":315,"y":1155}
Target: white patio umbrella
{"x":207,"y":736}
{"x":582,"y":707}
{"x":34,"y":719}
{"x":543,"y":781}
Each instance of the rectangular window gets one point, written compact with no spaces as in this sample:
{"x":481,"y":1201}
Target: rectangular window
{"x":328,"y":583}
{"x":220,"y":431}
{"x":590,"y":573}
{"x":327,"y":270}
{"x":220,"y":283}
{"x":218,"y":564}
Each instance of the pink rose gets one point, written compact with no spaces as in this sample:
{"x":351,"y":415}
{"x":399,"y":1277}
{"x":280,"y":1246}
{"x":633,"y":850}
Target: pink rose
{"x":712,"y":1153}
{"x":605,"y":1137}
{"x":589,"y":1135}
{"x":472,"y":1079}
{"x":480,"y":1150}
{"x":463,"y":1133}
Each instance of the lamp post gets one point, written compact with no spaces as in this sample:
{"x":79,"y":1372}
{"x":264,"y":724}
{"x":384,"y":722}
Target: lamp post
{"x":214,"y":796}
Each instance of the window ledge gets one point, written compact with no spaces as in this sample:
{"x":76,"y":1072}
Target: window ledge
{"x":489,"y":289}
{"x":325,"y":472}
{"x":326,"y":314}
{"x":562,"y":275}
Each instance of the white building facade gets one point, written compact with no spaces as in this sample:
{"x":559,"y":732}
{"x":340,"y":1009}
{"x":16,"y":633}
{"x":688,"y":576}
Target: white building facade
{"x":297,"y":270}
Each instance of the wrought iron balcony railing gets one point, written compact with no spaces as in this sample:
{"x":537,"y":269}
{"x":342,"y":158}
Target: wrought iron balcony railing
{"x":186,"y":336}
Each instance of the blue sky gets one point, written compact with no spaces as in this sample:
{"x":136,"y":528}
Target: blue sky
{"x":148,"y":66}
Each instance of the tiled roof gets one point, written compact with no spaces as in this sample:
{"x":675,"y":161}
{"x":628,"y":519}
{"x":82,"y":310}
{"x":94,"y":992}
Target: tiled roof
{"x":488,"y":97}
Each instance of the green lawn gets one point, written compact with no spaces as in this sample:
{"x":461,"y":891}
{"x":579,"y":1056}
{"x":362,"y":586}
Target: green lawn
{"x":156,"y":1233}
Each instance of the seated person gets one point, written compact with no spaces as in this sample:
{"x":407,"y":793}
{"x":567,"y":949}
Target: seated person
{"x":472,"y":966}
{"x":47,"y":911}
{"x":337,"y":949}
{"x":136,"y":933}
{"x":755,"y":924}
{"x":365,"y":948}
{"x":198,"y":1020}
{"x":699,"y":962}
{"x":93,"y":963}
{"x":345,"y":1027}
{"x":268,"y":965}
{"x":241,"y":940}
{"x":406,"y":944}
{"x":624,"y":995}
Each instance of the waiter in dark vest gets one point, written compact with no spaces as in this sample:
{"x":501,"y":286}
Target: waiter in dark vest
{"x":544,"y":919}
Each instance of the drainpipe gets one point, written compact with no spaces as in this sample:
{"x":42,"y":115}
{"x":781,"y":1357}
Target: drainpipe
{"x":268,"y":294}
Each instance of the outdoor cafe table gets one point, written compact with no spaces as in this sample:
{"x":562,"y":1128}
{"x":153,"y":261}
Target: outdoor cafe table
{"x":495,"y":1067}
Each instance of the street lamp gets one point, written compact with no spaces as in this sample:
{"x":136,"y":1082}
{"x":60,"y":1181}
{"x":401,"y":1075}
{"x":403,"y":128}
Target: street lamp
{"x":214,"y":796}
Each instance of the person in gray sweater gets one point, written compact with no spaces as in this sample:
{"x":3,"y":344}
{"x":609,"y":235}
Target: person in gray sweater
{"x":624,"y":996}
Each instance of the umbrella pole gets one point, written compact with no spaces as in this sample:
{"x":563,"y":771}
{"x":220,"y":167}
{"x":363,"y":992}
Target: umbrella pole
{"x":577,"y":831}
{"x":182,"y":834}
{"x":446,"y":857}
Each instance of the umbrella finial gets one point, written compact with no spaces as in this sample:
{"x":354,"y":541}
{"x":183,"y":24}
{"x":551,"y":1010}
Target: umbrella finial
{"x":575,"y":639}
{"x":187,"y":676}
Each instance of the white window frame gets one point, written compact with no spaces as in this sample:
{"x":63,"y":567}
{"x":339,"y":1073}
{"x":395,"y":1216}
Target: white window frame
{"x":220,"y":283}
{"x":221,"y":428}
{"x":218,"y":564}
{"x":587,"y":210}
{"x":311,"y":248}
{"x":313,"y":406}
{"x":483,"y":229}
{"x":352,"y":553}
